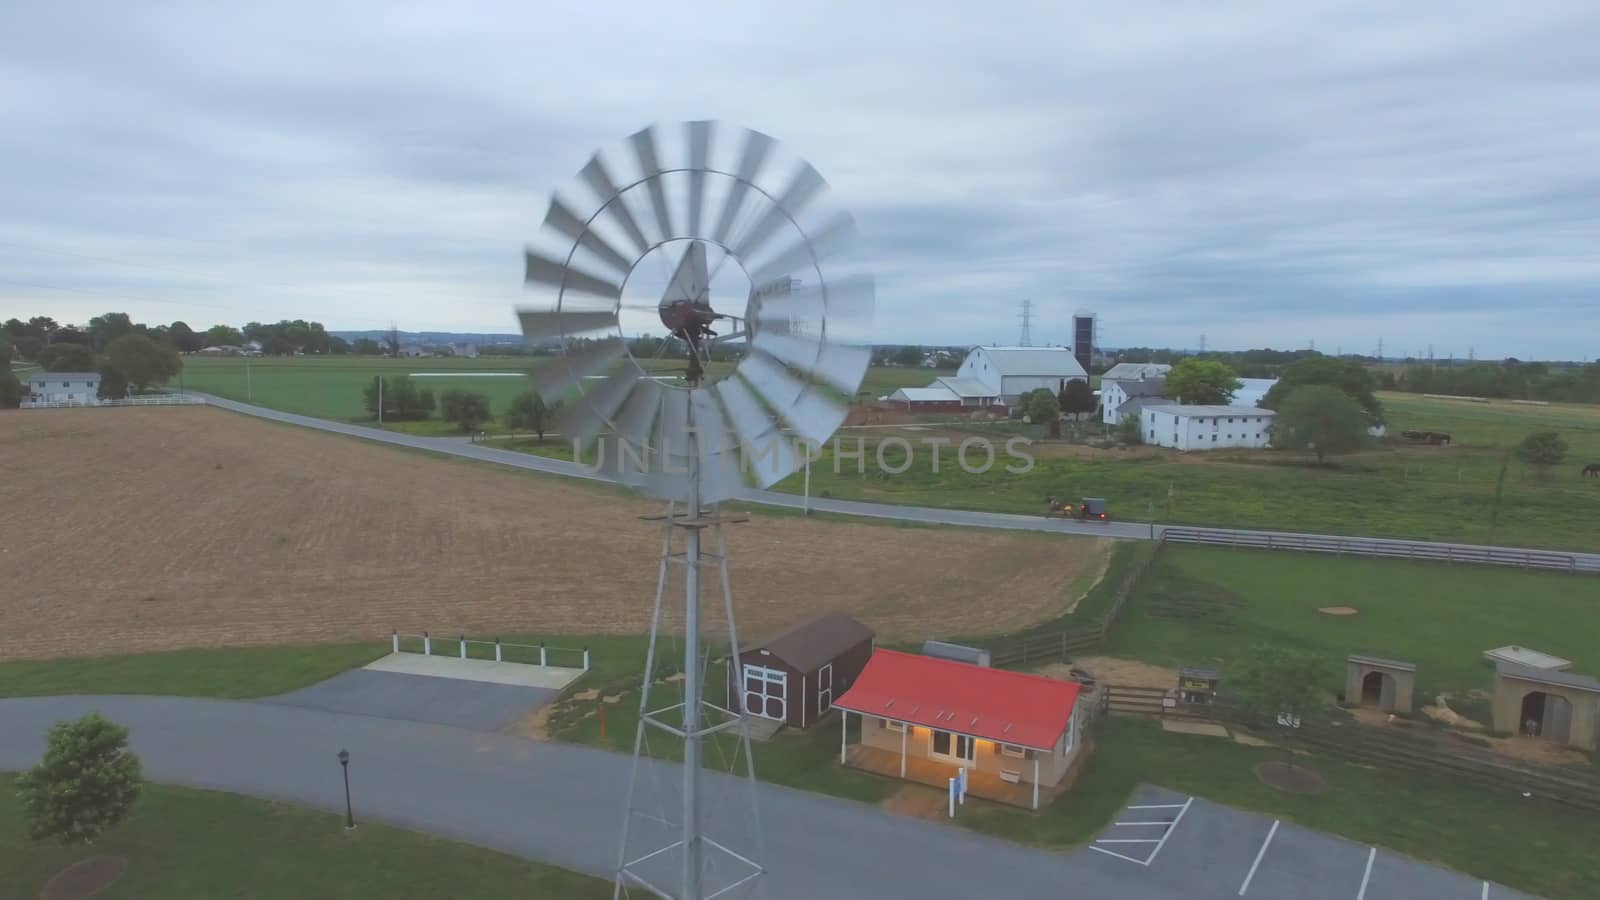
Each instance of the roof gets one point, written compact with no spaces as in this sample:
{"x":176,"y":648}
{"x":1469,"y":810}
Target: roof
{"x":1547,"y":676}
{"x":964,"y":387}
{"x":1134,"y":371}
{"x":934,"y":393}
{"x":820,"y":639}
{"x":1134,"y":387}
{"x":1198,"y":410}
{"x":63,"y":376}
{"x":1381,"y":663}
{"x":1134,"y":405}
{"x":1010,"y":707}
{"x":1052,"y":362}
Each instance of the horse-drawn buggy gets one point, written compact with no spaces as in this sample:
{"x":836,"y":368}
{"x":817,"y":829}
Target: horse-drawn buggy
{"x":1089,"y":509}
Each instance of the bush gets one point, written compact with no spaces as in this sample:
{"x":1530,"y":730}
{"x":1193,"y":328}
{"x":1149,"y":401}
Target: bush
{"x":465,"y":408}
{"x":87,"y":782}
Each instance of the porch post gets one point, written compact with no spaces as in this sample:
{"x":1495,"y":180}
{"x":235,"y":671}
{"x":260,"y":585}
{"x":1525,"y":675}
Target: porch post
{"x":1035,"y":779}
{"x":903,"y":728}
{"x":844,"y":729}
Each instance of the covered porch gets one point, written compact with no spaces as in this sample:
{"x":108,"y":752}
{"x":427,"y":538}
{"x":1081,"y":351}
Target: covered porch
{"x":934,"y":774}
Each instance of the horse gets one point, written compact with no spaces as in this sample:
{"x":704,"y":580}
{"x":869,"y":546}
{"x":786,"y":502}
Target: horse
{"x":1591,"y":469}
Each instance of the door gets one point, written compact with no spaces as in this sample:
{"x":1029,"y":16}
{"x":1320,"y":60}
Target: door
{"x":824,"y":689}
{"x":766,"y":692}
{"x":956,"y":748}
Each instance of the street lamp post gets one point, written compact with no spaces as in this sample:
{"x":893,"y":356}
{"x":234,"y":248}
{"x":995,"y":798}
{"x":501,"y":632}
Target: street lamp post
{"x":349,"y":815}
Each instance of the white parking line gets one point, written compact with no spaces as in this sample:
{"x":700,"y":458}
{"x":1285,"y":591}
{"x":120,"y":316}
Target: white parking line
{"x":1170,"y":830}
{"x":1367,"y":876}
{"x":1116,"y":854}
{"x":1160,"y":806}
{"x":1128,"y":841}
{"x":1259,"y":854}
{"x":1142,"y":823}
{"x":1486,"y":890}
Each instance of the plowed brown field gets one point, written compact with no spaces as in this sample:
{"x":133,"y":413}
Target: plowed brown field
{"x":134,"y":529}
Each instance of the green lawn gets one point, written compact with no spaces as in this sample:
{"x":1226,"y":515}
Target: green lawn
{"x":229,"y":672}
{"x":1439,"y":616}
{"x":1442,"y":493}
{"x":183,"y":844}
{"x":1532,"y":846}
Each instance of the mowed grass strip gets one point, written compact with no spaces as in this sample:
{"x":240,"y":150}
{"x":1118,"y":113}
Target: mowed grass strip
{"x":196,"y":845}
{"x":1201,"y":605}
{"x":226,"y":672}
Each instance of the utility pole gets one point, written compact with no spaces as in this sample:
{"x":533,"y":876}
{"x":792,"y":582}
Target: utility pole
{"x":1380,"y":349}
{"x":380,"y":400}
{"x":249,"y":387}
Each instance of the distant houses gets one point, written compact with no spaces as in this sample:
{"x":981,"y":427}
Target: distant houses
{"x":56,"y":388}
{"x":993,"y":378}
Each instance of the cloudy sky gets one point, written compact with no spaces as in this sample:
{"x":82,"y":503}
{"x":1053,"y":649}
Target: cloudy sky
{"x":1265,"y":174}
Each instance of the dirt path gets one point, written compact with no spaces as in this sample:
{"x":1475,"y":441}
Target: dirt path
{"x":133,"y":529}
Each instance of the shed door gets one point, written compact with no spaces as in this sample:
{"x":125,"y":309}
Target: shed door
{"x":766,"y":692}
{"x":824,"y":688}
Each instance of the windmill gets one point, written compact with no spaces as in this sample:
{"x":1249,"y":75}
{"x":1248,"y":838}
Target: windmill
{"x":695,"y":198}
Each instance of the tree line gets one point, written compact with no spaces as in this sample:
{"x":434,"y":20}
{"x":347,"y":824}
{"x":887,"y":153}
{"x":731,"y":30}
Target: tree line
{"x":1509,"y":379}
{"x":401,"y":399}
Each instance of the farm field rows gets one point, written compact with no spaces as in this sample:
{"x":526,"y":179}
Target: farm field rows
{"x":194,"y":527}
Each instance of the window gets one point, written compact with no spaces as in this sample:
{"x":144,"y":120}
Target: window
{"x":1013,"y":751}
{"x":824,"y":688}
{"x":1213,"y":439}
{"x":892,"y":725}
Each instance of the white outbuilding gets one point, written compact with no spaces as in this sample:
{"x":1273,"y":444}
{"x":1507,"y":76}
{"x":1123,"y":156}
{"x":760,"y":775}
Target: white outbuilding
{"x":51,"y":388}
{"x":1205,"y":427}
{"x":1010,"y":372}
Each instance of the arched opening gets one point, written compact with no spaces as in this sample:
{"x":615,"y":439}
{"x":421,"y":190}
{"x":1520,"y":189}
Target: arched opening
{"x":1372,"y":689}
{"x":1547,"y":716}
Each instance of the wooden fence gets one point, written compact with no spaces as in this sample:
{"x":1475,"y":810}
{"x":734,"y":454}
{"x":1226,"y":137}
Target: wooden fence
{"x":1426,"y":751}
{"x":1061,"y":645}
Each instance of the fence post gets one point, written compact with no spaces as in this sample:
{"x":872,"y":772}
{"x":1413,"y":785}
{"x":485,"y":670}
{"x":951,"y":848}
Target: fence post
{"x":586,"y":659}
{"x":427,"y":644}
{"x":541,"y":654}
{"x":463,"y":646}
{"x":952,"y":789}
{"x":395,"y":638}
{"x":497,"y":657}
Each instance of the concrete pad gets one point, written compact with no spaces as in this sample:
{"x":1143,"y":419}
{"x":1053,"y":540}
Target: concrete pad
{"x":1398,"y":878}
{"x":1307,"y":865}
{"x":552,"y":678}
{"x":476,"y":705}
{"x":1210,"y":729}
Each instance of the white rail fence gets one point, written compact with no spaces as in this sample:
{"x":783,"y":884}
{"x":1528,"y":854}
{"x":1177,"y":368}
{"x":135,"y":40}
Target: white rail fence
{"x":1550,"y":560}
{"x":462,"y":647}
{"x":161,"y":400}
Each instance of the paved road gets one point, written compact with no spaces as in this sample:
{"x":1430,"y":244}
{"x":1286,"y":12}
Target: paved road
{"x":561,"y":804}
{"x":1585,"y":562}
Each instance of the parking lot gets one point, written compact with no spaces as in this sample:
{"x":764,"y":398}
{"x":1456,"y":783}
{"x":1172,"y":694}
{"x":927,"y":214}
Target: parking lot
{"x":1204,"y":850}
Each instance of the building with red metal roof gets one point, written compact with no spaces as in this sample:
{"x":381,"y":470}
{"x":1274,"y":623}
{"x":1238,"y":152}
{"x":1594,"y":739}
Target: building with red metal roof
{"x":1006,"y":728}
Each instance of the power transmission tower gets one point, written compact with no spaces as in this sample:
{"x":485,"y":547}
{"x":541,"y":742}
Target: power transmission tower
{"x":1380,"y":349}
{"x":1472,"y":354}
{"x":1026,"y":339}
{"x":1202,"y":343}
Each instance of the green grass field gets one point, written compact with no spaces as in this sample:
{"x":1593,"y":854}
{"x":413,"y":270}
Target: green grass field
{"x":1439,"y":616}
{"x":228,"y":672}
{"x":1443,"y":493}
{"x":197,"y":845}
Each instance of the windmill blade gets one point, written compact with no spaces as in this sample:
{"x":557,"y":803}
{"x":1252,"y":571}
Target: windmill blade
{"x":564,"y":373}
{"x":837,"y":234}
{"x":644,"y":150}
{"x":594,"y":172}
{"x":718,"y":452}
{"x":670,"y":453}
{"x":752,"y":156}
{"x":846,"y":300}
{"x":700,"y":134}
{"x":559,"y":275}
{"x":585,"y":419}
{"x":807,"y":411}
{"x":803,"y":187}
{"x":635,"y":422}
{"x":543,"y":325}
{"x":840,"y":365}
{"x":763,"y":449}
{"x":567,"y":223}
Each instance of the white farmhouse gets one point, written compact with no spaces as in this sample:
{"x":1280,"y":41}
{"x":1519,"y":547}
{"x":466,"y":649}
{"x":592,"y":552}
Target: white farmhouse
{"x":1116,"y":397}
{"x":1010,"y":372}
{"x":48,"y":388}
{"x":1205,"y":427}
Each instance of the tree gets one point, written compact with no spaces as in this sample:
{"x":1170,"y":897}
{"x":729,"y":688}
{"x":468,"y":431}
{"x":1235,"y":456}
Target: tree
{"x":1322,"y":418}
{"x":465,"y":408}
{"x":184,"y":338}
{"x":402,"y":400}
{"x":392,"y":342}
{"x":107,"y":328}
{"x":366,"y":347}
{"x":6,"y":352}
{"x":1040,"y":406}
{"x":70,"y":335}
{"x":908,"y":356}
{"x":1202,"y":382}
{"x":1128,"y":429}
{"x":1280,"y":680}
{"x":338,"y":345}
{"x":87,"y":782}
{"x":528,"y":410}
{"x":28,"y":346}
{"x":1076,"y":397}
{"x":67,"y":358}
{"x":10,"y":389}
{"x":1355,"y":380}
{"x":113,"y":384}
{"x":223,"y":336}
{"x":1542,"y":449}
{"x":142,"y":361}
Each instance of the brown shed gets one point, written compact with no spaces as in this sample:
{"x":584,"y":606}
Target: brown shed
{"x":794,"y":676}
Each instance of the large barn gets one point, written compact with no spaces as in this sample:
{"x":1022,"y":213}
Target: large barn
{"x":1013,"y":371}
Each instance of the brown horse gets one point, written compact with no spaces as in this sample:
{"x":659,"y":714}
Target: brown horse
{"x":1591,"y":469}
